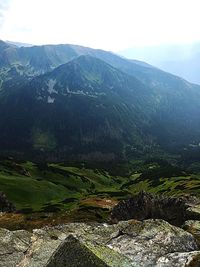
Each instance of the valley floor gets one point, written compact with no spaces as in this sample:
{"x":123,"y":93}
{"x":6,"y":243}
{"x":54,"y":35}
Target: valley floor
{"x":52,"y":193}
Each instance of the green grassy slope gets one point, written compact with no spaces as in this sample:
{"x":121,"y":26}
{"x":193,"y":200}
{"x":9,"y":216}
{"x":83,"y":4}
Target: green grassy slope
{"x":51,"y":194}
{"x":39,"y":187}
{"x":58,"y":187}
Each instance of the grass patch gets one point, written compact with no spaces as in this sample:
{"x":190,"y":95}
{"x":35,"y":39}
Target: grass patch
{"x":83,"y":193}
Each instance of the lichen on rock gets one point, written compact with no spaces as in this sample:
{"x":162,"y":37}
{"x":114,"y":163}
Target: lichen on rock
{"x":126,"y":244}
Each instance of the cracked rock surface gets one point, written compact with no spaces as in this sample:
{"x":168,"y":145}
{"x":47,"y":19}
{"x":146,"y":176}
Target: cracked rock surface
{"x":128,"y":243}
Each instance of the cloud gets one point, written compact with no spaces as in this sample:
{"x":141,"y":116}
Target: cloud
{"x":107,"y":24}
{"x":4,"y":6}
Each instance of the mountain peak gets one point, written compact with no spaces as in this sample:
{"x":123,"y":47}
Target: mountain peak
{"x":88,"y":73}
{"x":89,"y":63}
{"x":77,"y":100}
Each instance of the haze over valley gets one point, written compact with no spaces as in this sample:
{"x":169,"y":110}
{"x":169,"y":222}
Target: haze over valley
{"x":180,"y":59}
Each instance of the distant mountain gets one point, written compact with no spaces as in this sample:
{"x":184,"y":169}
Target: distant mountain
{"x":81,"y":108}
{"x":36,"y":60}
{"x":19,"y":44}
{"x":71,"y":102}
{"x":182,"y":60}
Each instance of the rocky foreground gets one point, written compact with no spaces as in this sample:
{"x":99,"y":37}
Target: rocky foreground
{"x":132,"y":243}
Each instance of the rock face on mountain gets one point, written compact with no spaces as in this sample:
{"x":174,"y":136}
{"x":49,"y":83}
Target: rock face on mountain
{"x":145,"y":206}
{"x":126,"y":244}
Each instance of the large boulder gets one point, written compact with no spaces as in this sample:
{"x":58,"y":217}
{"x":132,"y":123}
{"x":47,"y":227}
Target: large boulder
{"x":193,"y":227}
{"x":72,"y":253}
{"x":126,"y":244}
{"x":13,"y":246}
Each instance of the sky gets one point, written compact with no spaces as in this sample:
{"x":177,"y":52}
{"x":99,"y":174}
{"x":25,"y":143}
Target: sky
{"x":107,"y":24}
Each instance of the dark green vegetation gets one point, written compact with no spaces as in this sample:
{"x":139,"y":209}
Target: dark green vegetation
{"x":98,"y":128}
{"x":89,"y":191}
{"x":54,"y":187}
{"x":67,"y":102}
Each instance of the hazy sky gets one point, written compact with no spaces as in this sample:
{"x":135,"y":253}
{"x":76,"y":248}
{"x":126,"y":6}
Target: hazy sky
{"x":107,"y":24}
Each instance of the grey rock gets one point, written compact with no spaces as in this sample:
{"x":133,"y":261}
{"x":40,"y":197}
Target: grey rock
{"x":189,"y":259}
{"x":72,"y":253}
{"x":194,"y":228}
{"x":13,"y":246}
{"x":145,"y":242}
{"x":126,"y":244}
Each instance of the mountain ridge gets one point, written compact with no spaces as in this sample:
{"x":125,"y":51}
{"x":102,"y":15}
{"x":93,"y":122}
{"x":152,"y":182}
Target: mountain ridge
{"x":95,"y":102}
{"x":180,"y":59}
{"x":90,"y":97}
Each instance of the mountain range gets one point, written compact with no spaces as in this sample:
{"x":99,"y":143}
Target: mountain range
{"x":179,"y":59}
{"x":68,"y":102}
